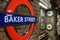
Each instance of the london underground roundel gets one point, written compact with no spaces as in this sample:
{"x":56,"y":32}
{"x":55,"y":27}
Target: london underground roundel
{"x":10,"y":29}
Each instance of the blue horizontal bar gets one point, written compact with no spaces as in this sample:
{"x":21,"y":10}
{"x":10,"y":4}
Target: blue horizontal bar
{"x":13,"y":19}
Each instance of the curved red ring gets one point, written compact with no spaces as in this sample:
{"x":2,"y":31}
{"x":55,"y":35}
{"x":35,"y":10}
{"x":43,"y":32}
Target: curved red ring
{"x":10,"y":29}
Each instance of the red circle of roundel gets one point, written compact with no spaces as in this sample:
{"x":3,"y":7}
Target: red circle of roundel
{"x":10,"y":29}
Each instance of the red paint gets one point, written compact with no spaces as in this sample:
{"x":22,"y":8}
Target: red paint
{"x":10,"y":29}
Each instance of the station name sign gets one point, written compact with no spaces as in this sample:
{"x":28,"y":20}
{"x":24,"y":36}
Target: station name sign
{"x":11,"y":19}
